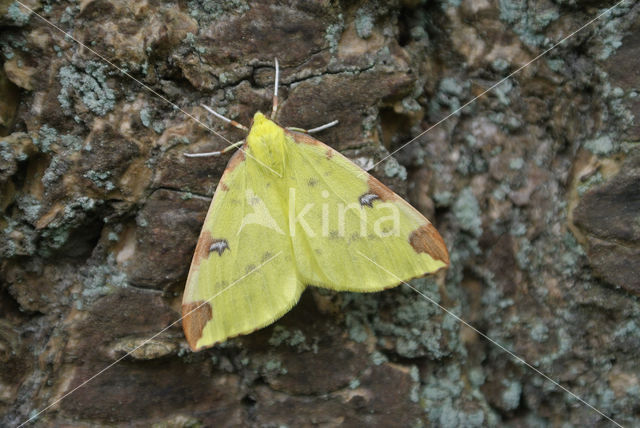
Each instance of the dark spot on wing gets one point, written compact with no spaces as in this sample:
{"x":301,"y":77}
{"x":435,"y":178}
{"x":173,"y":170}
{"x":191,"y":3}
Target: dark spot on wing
{"x":223,"y":186}
{"x":202,"y":248}
{"x":312,"y":182}
{"x":249,"y":268}
{"x":219,"y":246}
{"x":367,"y":199}
{"x":355,"y":237}
{"x":195,"y":316}
{"x":426,"y":239}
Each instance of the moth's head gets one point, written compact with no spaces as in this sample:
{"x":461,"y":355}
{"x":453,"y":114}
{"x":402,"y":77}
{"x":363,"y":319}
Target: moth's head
{"x":260,"y":119}
{"x":263,"y":126}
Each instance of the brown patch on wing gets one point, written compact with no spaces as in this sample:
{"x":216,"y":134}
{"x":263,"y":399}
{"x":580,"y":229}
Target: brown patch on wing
{"x":202,"y":248}
{"x":195,"y":316}
{"x":329,"y":153}
{"x":380,"y":190}
{"x":223,"y":186}
{"x":236,"y":159}
{"x":426,"y":239}
{"x":299,"y":137}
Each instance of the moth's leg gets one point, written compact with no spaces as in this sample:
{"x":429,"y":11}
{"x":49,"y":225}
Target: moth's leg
{"x":274,"y":108}
{"x":226,"y":119}
{"x":316,"y":129}
{"x":218,"y":153}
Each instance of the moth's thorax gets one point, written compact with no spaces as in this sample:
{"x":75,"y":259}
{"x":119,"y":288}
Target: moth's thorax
{"x":266,"y":144}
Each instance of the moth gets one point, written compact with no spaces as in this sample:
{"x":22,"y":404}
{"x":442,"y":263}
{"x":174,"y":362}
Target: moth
{"x":290,"y":212}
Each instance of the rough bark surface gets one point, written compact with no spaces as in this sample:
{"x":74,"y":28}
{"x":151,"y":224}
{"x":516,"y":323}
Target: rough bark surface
{"x":535,"y":188}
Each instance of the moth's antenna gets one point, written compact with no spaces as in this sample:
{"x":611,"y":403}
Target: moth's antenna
{"x":274,"y":109}
{"x":316,"y":129}
{"x":225,"y":119}
{"x":217,"y":153}
{"x":226,"y":149}
{"x":322,"y":127}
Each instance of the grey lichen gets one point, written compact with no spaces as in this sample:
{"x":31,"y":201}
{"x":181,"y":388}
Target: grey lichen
{"x":602,"y":145}
{"x":275,"y":367}
{"x":539,"y":332}
{"x":56,"y":169}
{"x":356,"y":328}
{"x":443,"y":199}
{"x":393,"y":169}
{"x":528,"y":23}
{"x":145,"y":117}
{"x":500,"y":64}
{"x":89,"y":85}
{"x":293,"y":338}
{"x":450,"y":92}
{"x":516,"y":163}
{"x":467,"y":212}
{"x":18,"y":14}
{"x":211,"y":10}
{"x":333,"y":33}
{"x":100,"y":280}
{"x":57,"y":232}
{"x":611,"y":36}
{"x":16,"y":239}
{"x":47,"y":136}
{"x":30,"y":207}
{"x":511,"y":394}
{"x":100,"y":179}
{"x":378,"y":358}
{"x":6,"y":152}
{"x":413,"y":326}
{"x":590,"y":182}
{"x":364,"y":23}
{"x":443,"y":397}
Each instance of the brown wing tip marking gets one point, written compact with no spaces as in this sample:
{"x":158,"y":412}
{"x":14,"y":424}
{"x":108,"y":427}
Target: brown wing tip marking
{"x":195,"y":316}
{"x":380,"y":190}
{"x":426,"y":239}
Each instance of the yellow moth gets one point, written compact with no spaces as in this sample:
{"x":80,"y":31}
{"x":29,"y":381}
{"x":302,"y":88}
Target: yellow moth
{"x":289,"y":212}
